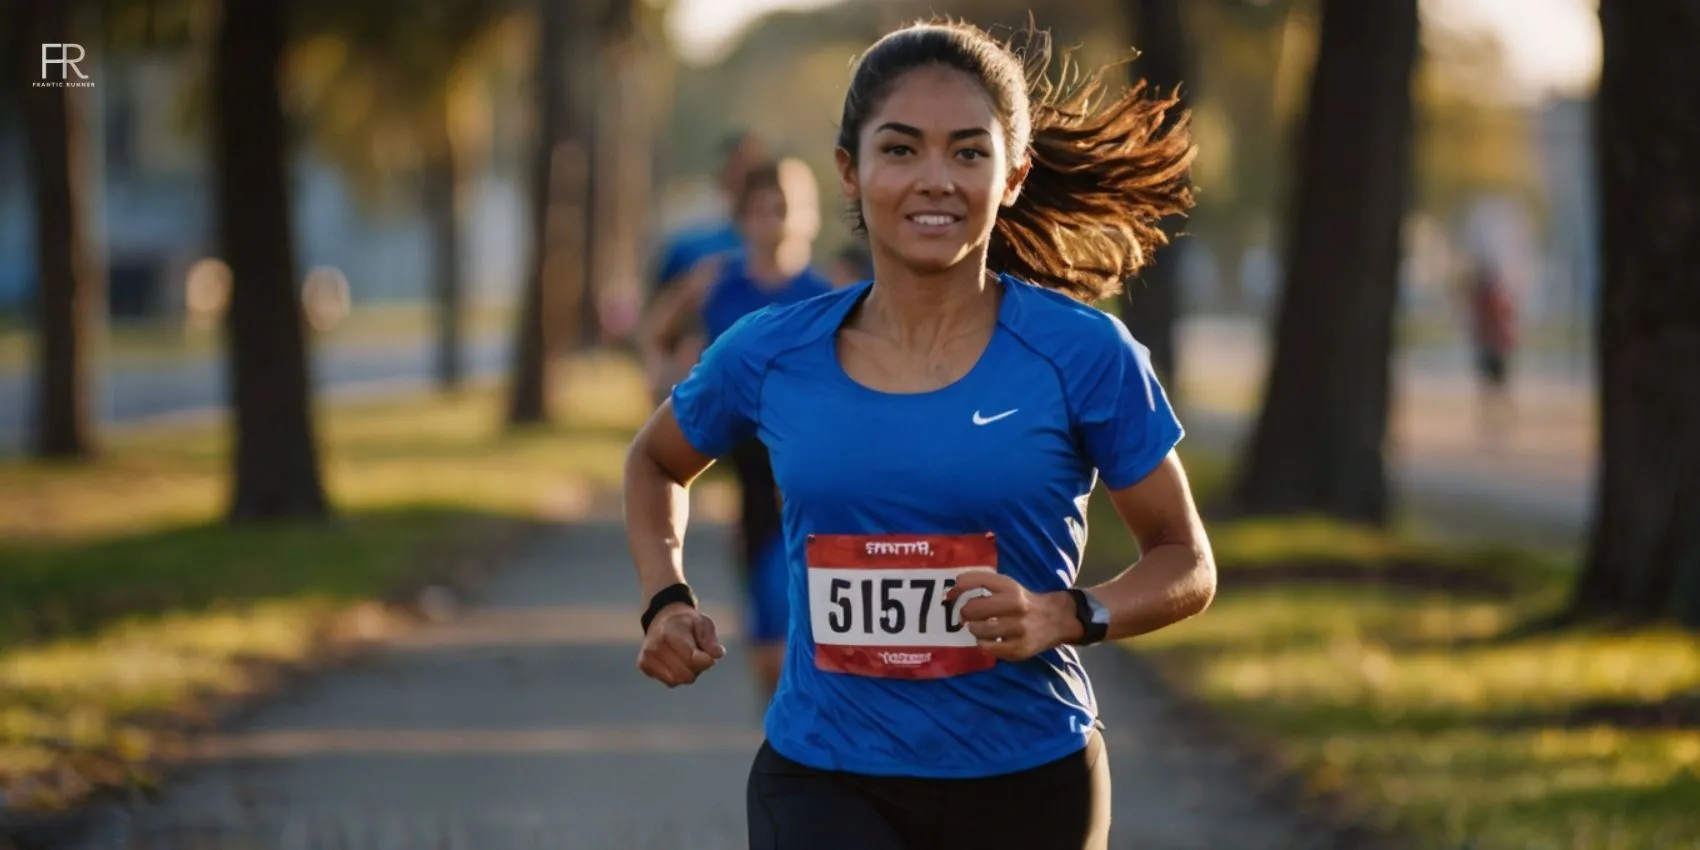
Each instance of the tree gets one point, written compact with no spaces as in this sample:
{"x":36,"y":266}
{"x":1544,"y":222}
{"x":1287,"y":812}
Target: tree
{"x":621,"y":145}
{"x":1320,"y":435}
{"x":556,"y":278}
{"x":1152,"y":303}
{"x":68,"y":296}
{"x":276,"y":459}
{"x":384,"y":76}
{"x":1643,"y":559}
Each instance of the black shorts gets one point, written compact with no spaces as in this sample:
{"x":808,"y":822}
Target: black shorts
{"x":1492,"y":366}
{"x":758,"y":515}
{"x":1062,"y":805}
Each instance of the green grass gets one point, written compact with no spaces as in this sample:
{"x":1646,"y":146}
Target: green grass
{"x":125,"y":601}
{"x":1438,"y":715}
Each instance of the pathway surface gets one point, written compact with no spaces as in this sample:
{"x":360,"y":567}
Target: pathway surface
{"x":523,"y":723}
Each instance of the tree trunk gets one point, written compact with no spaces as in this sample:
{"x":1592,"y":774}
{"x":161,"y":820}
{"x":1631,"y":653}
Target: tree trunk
{"x":68,"y":292}
{"x":276,"y":460}
{"x":622,"y":147}
{"x":594,"y":78}
{"x":442,"y":210}
{"x":1644,"y":555}
{"x":1319,"y":441}
{"x":547,"y":319}
{"x":1153,"y":301}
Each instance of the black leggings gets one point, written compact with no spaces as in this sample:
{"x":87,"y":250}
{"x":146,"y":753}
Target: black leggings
{"x":758,"y":516}
{"x":1062,"y":805}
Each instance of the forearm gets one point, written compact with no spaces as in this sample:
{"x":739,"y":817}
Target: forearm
{"x":657,"y":509}
{"x":1169,"y":583}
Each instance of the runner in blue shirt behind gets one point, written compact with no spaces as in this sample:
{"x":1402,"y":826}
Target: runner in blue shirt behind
{"x":776,"y":211}
{"x":937,"y":433}
{"x":688,"y":247}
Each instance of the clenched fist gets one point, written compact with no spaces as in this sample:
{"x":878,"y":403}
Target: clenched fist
{"x":679,"y":646}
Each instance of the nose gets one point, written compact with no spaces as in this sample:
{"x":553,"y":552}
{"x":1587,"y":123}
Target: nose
{"x":935,"y":177}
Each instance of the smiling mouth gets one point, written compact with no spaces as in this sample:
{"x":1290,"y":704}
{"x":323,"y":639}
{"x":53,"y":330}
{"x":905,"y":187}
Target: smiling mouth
{"x":934,"y":219}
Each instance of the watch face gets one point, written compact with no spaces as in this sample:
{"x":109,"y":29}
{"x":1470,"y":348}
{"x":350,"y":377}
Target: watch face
{"x":1100,"y":614}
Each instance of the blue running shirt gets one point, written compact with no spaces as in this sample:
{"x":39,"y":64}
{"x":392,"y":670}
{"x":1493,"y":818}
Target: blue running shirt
{"x":888,"y":496}
{"x":734,"y":294}
{"x":693,"y":245}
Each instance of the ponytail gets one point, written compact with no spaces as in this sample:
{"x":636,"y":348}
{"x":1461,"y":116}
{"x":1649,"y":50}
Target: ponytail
{"x":1103,"y":176}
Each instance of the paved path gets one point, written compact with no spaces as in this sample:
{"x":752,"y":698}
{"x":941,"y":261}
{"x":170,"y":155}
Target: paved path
{"x":524,"y":724}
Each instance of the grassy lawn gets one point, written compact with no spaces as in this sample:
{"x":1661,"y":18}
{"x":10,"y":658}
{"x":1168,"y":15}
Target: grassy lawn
{"x":125,"y":604}
{"x":1399,"y":681}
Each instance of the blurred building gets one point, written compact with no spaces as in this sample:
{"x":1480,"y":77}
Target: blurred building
{"x":152,"y":185}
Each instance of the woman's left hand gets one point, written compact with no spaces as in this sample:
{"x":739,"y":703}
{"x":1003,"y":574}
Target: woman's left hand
{"x":1011,"y":623}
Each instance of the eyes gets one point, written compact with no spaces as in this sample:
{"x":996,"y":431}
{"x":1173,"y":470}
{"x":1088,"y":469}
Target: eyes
{"x":899,"y":149}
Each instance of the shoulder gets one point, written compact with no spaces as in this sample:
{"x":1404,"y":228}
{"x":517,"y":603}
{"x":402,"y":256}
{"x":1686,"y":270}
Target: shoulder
{"x":767,"y":333}
{"x":1066,"y":331}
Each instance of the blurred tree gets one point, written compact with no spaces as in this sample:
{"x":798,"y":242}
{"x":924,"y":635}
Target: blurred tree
{"x":1644,"y":555}
{"x":1243,"y":119}
{"x":1319,"y":440}
{"x":68,"y":294}
{"x":555,"y":282}
{"x":621,"y":146}
{"x":1152,"y":302}
{"x":389,"y":87}
{"x":276,"y":459}
{"x":1471,"y":140}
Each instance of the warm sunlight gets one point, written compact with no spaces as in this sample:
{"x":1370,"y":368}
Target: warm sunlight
{"x":1549,"y":44}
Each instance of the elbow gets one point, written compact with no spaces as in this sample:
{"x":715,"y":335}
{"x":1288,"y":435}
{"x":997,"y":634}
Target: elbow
{"x":1202,"y":579}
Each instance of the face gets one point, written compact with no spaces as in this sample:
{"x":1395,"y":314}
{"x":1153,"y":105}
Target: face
{"x":764,"y":222}
{"x":932,"y":170}
{"x":738,"y":163}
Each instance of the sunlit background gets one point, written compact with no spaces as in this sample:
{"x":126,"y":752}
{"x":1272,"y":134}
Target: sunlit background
{"x":472,"y":253}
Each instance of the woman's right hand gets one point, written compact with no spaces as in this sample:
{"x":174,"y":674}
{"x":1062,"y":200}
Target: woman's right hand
{"x":679,"y":646}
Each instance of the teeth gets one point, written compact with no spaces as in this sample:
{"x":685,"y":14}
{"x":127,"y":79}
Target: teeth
{"x":934,"y":219}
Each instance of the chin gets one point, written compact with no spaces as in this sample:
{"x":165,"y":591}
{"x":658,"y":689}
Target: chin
{"x":935,"y":259}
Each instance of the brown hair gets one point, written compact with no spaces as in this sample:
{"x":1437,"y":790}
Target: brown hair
{"x":761,"y":176}
{"x":1104,"y":173}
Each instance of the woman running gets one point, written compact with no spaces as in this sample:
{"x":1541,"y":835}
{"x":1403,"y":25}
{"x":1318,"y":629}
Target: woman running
{"x":775,"y":210}
{"x":937,"y":432}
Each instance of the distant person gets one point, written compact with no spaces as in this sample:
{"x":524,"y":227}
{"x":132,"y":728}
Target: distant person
{"x":688,"y":247}
{"x":777,"y":218}
{"x":1493,"y":330}
{"x":852,"y":264}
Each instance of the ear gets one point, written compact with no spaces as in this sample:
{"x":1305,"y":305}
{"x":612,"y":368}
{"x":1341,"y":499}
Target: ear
{"x":1017,"y":176}
{"x":848,"y":184}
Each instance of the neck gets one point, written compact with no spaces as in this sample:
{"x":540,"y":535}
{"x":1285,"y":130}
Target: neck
{"x":780,"y":262}
{"x":920,"y":310}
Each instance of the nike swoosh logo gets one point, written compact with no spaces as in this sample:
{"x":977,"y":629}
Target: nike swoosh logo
{"x":987,"y":420}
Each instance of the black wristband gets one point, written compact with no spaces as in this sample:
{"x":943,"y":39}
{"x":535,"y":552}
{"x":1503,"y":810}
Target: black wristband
{"x":668,"y":595}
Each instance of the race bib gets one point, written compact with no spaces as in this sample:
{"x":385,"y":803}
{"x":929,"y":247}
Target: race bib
{"x":877,"y":606}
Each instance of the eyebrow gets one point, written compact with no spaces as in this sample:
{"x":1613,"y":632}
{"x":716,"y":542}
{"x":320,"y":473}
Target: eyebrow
{"x":955,"y":135}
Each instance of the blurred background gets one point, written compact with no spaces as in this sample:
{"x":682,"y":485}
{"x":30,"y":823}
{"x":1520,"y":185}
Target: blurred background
{"x":291,"y":282}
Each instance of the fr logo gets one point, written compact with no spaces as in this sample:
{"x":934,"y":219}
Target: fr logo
{"x":61,"y":55}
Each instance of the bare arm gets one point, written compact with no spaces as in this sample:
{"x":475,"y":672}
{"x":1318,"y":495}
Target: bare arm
{"x":661,"y":323}
{"x":1175,"y":576}
{"x":660,"y":466}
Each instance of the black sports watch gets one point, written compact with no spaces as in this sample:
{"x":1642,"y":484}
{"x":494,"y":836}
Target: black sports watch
{"x":1093,"y":616}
